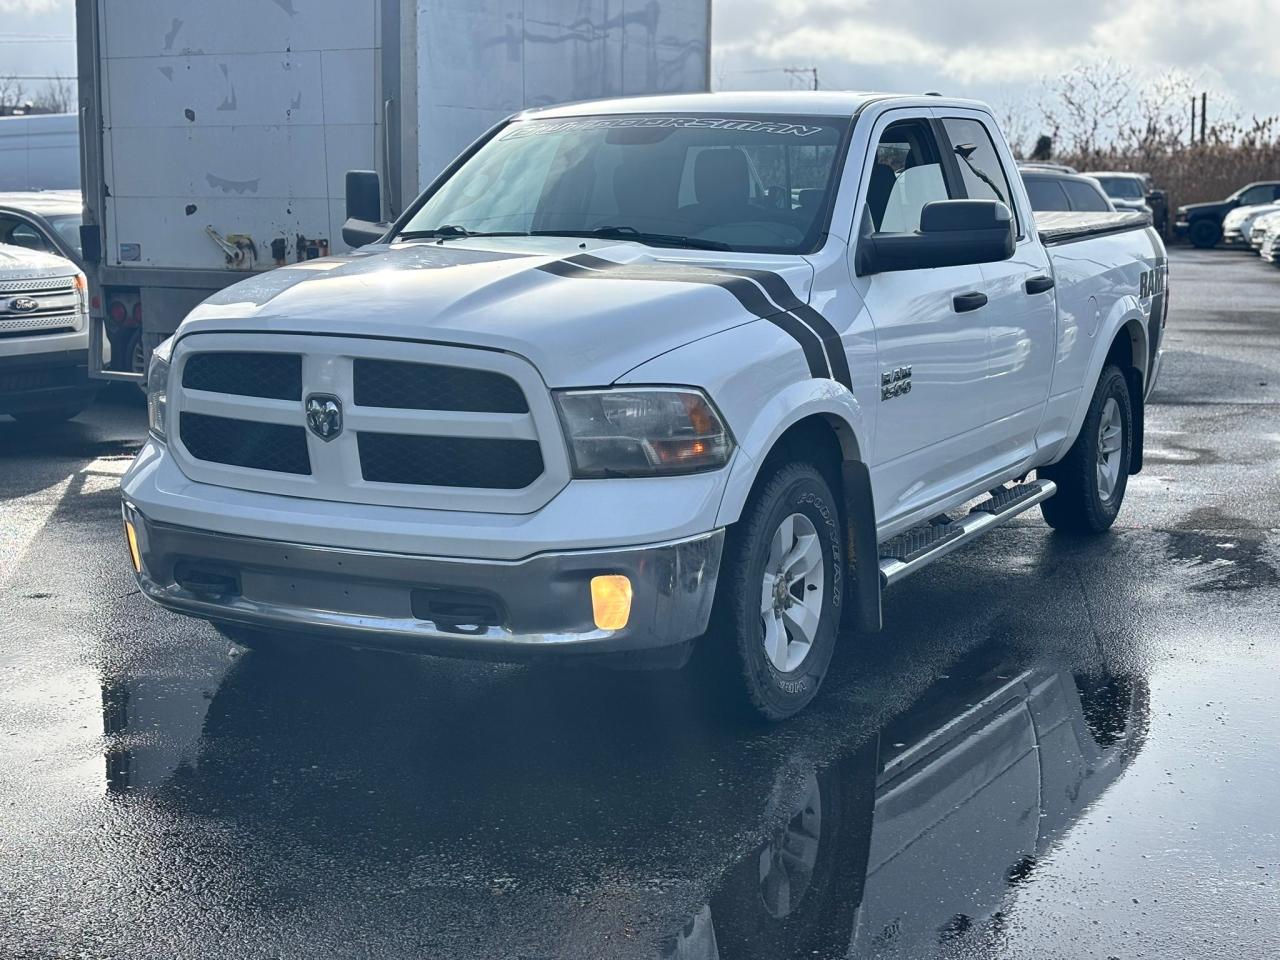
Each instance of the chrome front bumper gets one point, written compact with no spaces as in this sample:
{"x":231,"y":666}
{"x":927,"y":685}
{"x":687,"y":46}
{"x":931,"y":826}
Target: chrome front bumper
{"x":505,"y":610}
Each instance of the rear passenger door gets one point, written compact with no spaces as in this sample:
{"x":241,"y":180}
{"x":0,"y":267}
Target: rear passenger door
{"x":1021,"y":307}
{"x":932,"y":354}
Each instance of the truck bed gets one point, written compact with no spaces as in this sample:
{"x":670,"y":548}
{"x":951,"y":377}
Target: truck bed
{"x":1068,"y":227}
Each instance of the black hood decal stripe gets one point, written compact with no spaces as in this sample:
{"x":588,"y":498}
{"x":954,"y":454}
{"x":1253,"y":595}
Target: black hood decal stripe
{"x":757,"y":291}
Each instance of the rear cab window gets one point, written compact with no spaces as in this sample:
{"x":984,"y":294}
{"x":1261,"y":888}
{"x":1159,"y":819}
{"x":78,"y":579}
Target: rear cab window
{"x":981,"y":171}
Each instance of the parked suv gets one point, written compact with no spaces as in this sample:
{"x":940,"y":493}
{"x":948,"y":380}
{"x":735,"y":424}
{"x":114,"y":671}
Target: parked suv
{"x":44,"y":336}
{"x":1050,"y":191}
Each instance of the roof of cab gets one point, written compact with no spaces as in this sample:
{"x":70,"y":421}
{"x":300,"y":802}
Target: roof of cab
{"x":835,"y":103}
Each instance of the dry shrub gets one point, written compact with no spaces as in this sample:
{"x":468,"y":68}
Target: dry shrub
{"x":1191,"y":173}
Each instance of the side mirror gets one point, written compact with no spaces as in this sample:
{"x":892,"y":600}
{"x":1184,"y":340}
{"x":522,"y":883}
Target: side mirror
{"x":364,"y":222}
{"x":952,"y":233}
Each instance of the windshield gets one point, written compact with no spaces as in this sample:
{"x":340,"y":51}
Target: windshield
{"x":68,"y":229}
{"x":747,"y":183}
{"x":1122,"y":188}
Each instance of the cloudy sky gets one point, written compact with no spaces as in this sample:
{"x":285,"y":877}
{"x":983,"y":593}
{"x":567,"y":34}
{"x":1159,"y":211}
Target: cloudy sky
{"x":996,"y":50}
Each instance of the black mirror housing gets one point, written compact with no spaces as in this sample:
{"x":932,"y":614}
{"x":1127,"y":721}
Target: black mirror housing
{"x":364,"y":222}
{"x":952,"y":233}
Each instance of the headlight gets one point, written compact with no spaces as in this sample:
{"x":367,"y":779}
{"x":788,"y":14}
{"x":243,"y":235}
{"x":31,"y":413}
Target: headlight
{"x":158,"y":389}
{"x":81,"y":287}
{"x":645,"y":432}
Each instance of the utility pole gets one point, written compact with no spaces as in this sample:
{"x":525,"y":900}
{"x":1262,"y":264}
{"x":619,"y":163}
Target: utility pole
{"x":1204,"y":105}
{"x":1192,"y":137}
{"x":810,"y":72}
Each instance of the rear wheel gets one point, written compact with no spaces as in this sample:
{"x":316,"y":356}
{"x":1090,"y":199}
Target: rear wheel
{"x":1205,"y":234}
{"x":777,"y":604}
{"x":1092,"y":477}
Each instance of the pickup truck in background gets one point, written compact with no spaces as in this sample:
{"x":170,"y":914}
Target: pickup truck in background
{"x":44,"y":336}
{"x":1201,"y":223}
{"x":648,"y":379}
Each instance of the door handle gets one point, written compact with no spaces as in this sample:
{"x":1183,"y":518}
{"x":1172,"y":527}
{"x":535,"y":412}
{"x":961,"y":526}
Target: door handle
{"x":1038,"y":285}
{"x":964,"y":302}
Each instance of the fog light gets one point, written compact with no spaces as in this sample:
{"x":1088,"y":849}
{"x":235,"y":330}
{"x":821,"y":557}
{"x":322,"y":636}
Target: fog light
{"x":611,"y":601}
{"x":131,"y":536}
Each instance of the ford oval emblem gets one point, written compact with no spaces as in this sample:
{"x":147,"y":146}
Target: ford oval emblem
{"x":23,"y":304}
{"x":324,"y":415}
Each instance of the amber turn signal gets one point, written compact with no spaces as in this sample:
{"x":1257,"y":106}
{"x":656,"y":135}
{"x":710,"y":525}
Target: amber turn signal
{"x":131,"y":536}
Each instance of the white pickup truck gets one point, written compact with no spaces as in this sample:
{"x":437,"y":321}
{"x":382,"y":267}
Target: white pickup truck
{"x":649,"y":378}
{"x":44,"y":336}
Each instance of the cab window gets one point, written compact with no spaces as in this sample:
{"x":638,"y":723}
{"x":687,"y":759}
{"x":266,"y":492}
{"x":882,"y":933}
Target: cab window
{"x":980,"y":168}
{"x":906,"y":175}
{"x":1262,"y":193}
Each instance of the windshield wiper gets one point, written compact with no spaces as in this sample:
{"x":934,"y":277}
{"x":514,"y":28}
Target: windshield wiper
{"x":450,"y":231}
{"x":639,"y":236}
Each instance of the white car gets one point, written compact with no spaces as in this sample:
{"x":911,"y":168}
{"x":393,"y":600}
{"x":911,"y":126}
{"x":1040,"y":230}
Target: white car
{"x":1237,"y":226}
{"x":44,"y":336}
{"x":1266,"y":237}
{"x":599,"y":392}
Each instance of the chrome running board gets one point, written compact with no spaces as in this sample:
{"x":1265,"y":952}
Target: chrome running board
{"x":918,"y":547}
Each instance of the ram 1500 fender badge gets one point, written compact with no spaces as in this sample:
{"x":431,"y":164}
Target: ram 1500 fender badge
{"x":324,"y":415}
{"x":895,"y":382}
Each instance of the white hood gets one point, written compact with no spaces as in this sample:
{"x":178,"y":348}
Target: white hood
{"x":492,"y":294}
{"x":19,"y":263}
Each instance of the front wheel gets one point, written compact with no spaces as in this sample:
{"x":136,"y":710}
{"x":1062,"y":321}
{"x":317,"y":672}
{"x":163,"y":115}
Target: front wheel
{"x":1092,"y":477}
{"x":1205,"y":234}
{"x":778,"y":601}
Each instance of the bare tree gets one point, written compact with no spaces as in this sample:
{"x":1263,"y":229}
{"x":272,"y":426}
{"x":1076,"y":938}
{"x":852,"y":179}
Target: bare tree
{"x":58,"y":96}
{"x":12,"y":94}
{"x":1089,"y":105}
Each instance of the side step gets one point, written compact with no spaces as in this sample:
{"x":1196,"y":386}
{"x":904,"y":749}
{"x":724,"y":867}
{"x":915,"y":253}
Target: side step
{"x":918,"y":547}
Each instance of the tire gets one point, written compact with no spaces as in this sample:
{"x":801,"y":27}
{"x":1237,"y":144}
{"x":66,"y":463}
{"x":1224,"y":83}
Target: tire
{"x":772,"y":645}
{"x":1205,"y":234}
{"x":1092,"y":477}
{"x":797,"y":895}
{"x":48,"y":415}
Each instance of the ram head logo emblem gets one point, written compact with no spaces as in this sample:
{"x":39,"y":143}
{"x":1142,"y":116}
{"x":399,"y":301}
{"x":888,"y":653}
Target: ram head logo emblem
{"x":324,"y":415}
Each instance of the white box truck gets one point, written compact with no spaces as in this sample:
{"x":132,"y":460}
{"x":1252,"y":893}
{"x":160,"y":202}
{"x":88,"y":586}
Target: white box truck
{"x":216,"y":137}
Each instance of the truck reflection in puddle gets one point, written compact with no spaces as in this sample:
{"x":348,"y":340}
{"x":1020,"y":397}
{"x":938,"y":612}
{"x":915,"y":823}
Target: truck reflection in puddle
{"x":604,"y":820}
{"x":910,"y":846}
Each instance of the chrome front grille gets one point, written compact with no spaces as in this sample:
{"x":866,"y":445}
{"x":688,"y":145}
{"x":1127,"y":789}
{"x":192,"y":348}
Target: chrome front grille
{"x":394,"y":423}
{"x":55,"y":306}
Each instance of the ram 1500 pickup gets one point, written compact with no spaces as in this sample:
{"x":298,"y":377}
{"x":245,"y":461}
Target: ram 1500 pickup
{"x":652,"y":378}
{"x":44,"y":336}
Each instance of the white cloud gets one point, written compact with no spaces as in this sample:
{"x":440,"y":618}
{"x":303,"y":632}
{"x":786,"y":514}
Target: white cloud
{"x":31,"y":7}
{"x":1000,"y":48}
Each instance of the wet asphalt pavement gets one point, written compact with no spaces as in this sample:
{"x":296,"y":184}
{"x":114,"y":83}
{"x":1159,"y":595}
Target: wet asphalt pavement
{"x":1058,"y":748}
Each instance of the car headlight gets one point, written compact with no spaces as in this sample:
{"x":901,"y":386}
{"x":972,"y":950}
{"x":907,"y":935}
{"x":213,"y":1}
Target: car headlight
{"x":158,"y":389}
{"x":81,"y":286}
{"x":642,"y":432}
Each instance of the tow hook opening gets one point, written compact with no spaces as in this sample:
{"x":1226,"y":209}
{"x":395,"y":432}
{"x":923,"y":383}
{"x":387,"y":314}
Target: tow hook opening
{"x":204,"y":580}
